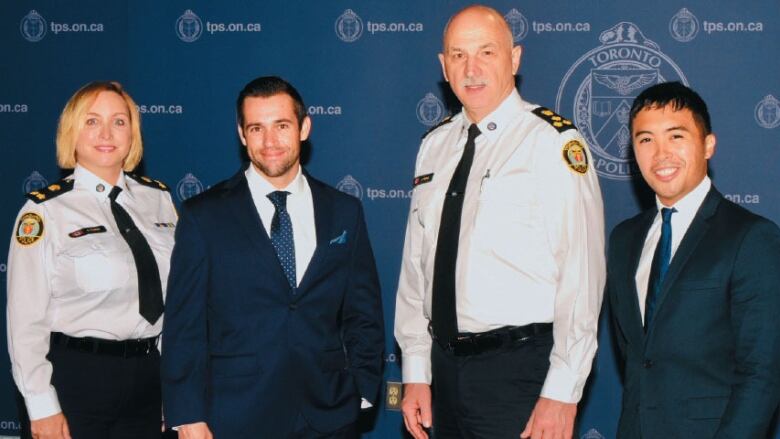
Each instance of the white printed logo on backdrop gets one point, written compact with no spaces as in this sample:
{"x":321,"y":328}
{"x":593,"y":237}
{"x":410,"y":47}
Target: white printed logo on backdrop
{"x":33,"y":27}
{"x":349,"y":26}
{"x":350,"y":186}
{"x":188,"y":187}
{"x":592,"y":434}
{"x":189,"y":27}
{"x":518,"y":24}
{"x":684,"y":26}
{"x":600,"y":86}
{"x":34,"y":182}
{"x":430,"y":110}
{"x":767,"y":112}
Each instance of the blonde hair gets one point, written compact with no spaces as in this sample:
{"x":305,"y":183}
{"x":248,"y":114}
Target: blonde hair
{"x":71,"y":123}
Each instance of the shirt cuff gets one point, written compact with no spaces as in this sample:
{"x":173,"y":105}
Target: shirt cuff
{"x":562,"y":385}
{"x":42,"y":405}
{"x":416,"y":369}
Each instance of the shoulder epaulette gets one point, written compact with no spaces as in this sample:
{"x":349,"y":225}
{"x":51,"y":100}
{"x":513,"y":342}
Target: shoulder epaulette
{"x":558,"y":122}
{"x":146,"y":181}
{"x":51,"y":191}
{"x":444,"y":121}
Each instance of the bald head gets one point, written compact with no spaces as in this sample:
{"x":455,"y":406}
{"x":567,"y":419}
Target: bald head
{"x":478,"y":15}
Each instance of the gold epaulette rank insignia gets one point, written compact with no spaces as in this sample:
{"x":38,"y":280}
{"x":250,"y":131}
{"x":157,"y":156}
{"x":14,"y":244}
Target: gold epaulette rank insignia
{"x":444,"y":121}
{"x":558,"y":122}
{"x":51,"y":191}
{"x":146,"y":181}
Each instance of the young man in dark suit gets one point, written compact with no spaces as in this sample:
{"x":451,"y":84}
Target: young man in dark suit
{"x":274,"y":324}
{"x":694,"y":288}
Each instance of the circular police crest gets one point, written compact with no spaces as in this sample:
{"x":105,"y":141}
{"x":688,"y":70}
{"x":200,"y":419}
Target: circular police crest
{"x":684,"y":26}
{"x":33,"y":27}
{"x":430,"y":110}
{"x":768,"y":112}
{"x":350,"y":186}
{"x":349,"y":27}
{"x":592,"y":434}
{"x":517,"y":24}
{"x":30,"y":229}
{"x":188,"y":187}
{"x":601,"y":85}
{"x":189,"y":27}
{"x":34,"y":182}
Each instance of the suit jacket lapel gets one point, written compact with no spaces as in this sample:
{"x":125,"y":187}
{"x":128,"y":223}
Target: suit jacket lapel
{"x":323,"y":215}
{"x":643,"y":227}
{"x":688,"y":245}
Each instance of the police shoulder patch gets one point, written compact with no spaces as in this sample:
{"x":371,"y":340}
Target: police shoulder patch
{"x":51,"y":191}
{"x":558,"y":122}
{"x":146,"y":181}
{"x":444,"y":121}
{"x":575,"y":156}
{"x":30,"y":229}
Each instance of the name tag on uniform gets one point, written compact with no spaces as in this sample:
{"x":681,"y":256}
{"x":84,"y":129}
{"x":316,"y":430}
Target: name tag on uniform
{"x":166,"y":225}
{"x":422,"y":179}
{"x":86,"y":231}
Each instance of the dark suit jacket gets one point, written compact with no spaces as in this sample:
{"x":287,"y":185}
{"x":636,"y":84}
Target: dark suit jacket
{"x":709,"y":365}
{"x":244,"y":354}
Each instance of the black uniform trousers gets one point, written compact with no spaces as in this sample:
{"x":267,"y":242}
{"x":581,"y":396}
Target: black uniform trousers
{"x":105,"y":396}
{"x":489,"y":395}
{"x":303,"y":430}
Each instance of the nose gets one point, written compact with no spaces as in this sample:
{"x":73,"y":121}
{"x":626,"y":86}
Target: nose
{"x":472,"y":69}
{"x":105,"y":131}
{"x":270,"y":138}
{"x":662,"y":151}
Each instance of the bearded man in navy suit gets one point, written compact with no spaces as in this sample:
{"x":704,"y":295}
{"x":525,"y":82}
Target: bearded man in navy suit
{"x":694,"y":288}
{"x":274,"y":324}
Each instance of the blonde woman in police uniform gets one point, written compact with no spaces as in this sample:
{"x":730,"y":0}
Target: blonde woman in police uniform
{"x":88,"y":263}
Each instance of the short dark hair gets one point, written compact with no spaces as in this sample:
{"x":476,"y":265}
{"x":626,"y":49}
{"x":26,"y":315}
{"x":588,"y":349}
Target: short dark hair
{"x":679,"y":97}
{"x":267,"y":86}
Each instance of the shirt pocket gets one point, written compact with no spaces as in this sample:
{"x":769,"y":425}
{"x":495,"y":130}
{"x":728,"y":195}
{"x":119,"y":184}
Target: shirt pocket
{"x":100,"y":263}
{"x":426,"y":209}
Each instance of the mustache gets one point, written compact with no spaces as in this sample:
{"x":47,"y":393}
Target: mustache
{"x":474,"y":82}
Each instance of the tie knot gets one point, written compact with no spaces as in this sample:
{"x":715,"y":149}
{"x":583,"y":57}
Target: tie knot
{"x":666,"y":213}
{"x":474,"y":131}
{"x":114,"y":193}
{"x":279,"y":199}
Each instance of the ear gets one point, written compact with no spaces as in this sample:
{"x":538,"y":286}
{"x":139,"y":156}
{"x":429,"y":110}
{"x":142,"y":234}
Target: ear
{"x":443,"y":67}
{"x":709,"y":145}
{"x":241,"y":134}
{"x":305,"y":128}
{"x":517,"y":53}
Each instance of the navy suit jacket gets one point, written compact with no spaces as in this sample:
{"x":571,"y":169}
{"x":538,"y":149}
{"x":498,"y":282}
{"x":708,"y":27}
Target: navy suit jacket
{"x":240,"y":350}
{"x":709,"y":365}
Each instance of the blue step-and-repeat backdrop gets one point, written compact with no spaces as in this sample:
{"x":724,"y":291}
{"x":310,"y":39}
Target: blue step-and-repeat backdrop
{"x":370,"y":77}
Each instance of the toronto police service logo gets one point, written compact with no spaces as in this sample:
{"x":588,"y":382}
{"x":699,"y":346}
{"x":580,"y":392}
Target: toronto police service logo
{"x":350,"y":186}
{"x":768,"y":112}
{"x":34,"y":182}
{"x":430,"y":110}
{"x":683,"y":26}
{"x":592,"y":434}
{"x":349,"y":27}
{"x":33,"y":27}
{"x":517,"y":23}
{"x":188,"y":187}
{"x":189,"y":27}
{"x":599,"y":88}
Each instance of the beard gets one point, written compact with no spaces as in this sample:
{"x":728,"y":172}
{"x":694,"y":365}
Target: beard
{"x":276,"y":169}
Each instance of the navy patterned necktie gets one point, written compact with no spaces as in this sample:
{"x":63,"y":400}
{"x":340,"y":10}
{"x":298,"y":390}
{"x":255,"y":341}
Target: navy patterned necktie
{"x":150,"y":299}
{"x":444,"y":320}
{"x":660,"y":265}
{"x":282,"y":236}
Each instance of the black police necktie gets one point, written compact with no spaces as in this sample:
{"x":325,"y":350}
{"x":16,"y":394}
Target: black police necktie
{"x":445,"y":319}
{"x":660,"y":264}
{"x":150,"y":299}
{"x":282,"y":236}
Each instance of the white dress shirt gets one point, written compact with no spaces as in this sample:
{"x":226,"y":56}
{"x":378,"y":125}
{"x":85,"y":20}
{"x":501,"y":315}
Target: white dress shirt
{"x":531,"y":246}
{"x":300,"y":207}
{"x":681,"y":220}
{"x":80,"y":284}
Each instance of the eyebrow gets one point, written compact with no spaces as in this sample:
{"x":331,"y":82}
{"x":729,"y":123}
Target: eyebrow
{"x":282,"y":120}
{"x":490,"y":44}
{"x":123,"y":113}
{"x":674,"y":128}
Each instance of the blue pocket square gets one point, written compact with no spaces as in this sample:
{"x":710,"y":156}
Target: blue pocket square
{"x":341,"y":239}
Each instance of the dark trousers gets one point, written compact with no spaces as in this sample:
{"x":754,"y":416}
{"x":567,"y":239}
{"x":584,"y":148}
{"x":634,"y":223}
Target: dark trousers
{"x":303,"y":430}
{"x":107,"y":397}
{"x":488,"y":395}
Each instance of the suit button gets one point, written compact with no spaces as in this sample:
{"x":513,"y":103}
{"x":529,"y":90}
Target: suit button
{"x":293,"y":306}
{"x":648,"y":364}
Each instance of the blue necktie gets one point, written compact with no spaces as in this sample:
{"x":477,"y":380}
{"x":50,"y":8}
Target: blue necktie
{"x":660,"y":265}
{"x":282,"y":236}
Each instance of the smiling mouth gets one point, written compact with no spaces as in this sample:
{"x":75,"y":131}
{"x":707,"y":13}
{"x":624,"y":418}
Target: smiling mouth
{"x":105,"y":148}
{"x":666,"y":174}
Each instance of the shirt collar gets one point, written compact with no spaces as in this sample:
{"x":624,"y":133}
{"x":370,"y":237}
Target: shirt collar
{"x":265,"y":187}
{"x":689,"y":204}
{"x":494,"y":123}
{"x":86,"y":180}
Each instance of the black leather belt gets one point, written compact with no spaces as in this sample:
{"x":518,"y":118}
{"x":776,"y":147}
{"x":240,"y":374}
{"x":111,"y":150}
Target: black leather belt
{"x":117,"y":348}
{"x":474,"y":344}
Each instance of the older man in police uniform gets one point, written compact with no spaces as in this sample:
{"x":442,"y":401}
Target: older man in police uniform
{"x":503,"y":264}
